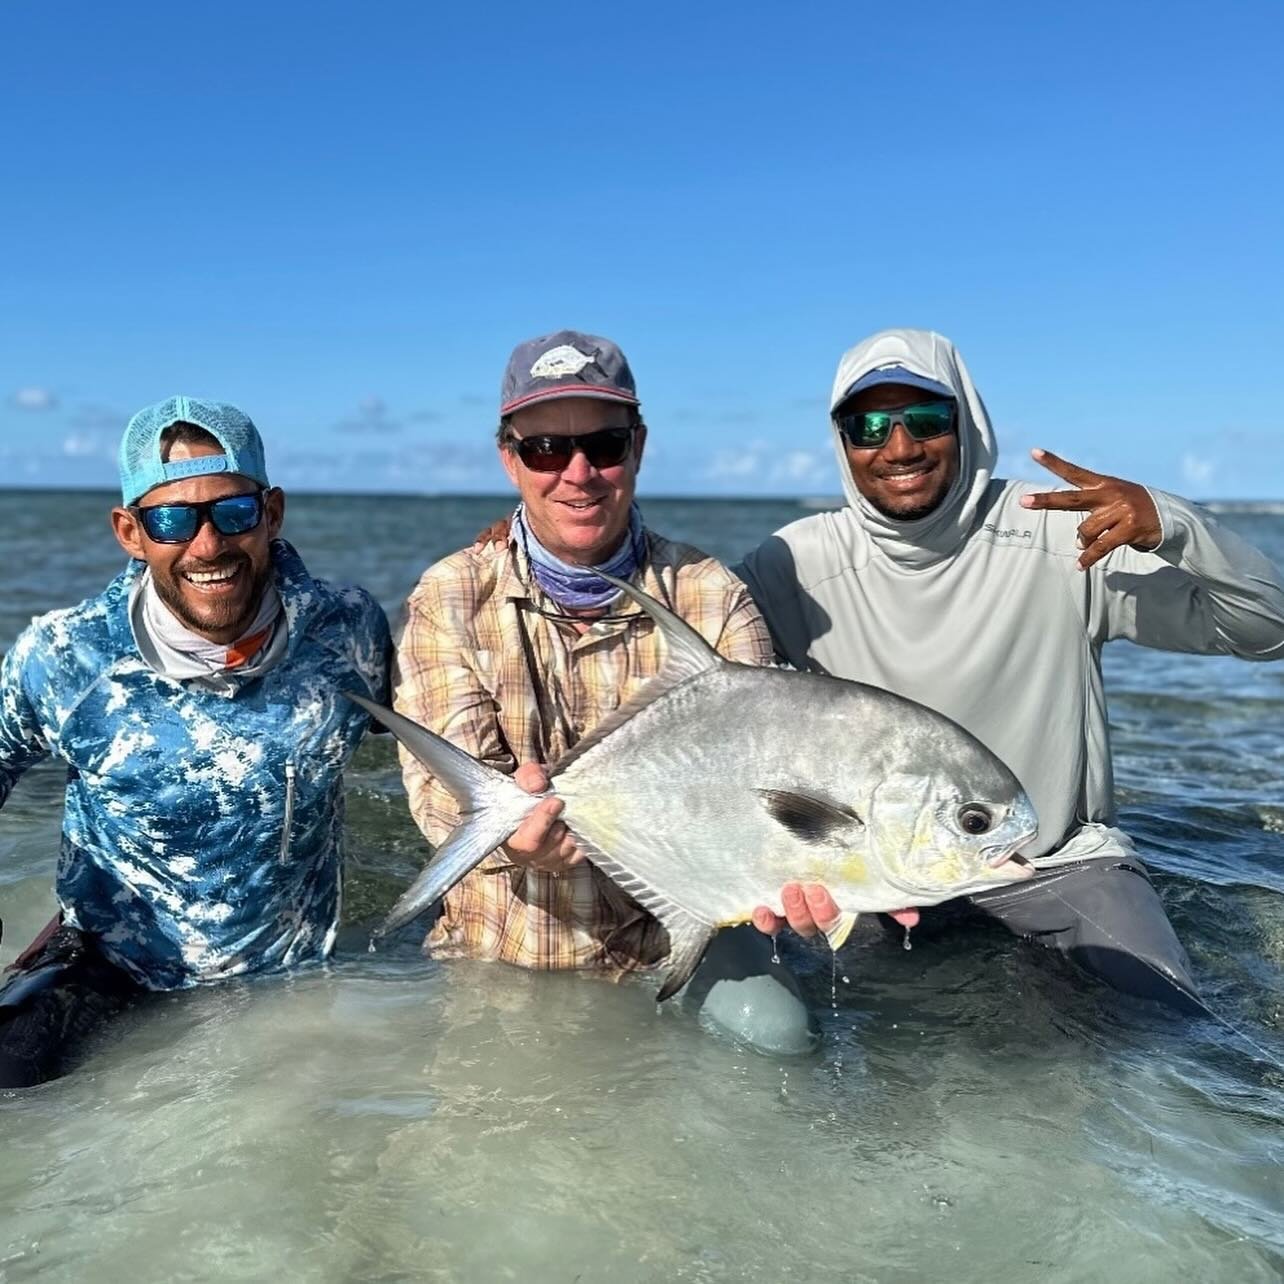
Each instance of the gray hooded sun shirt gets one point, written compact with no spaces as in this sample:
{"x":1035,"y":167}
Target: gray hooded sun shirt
{"x":980,"y":611}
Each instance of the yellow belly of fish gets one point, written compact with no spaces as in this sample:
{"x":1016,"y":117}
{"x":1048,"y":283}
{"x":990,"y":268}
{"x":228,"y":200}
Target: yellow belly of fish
{"x":847,"y":870}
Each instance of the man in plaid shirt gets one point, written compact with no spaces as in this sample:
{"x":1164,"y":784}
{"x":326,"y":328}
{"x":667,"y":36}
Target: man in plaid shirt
{"x":515,"y":650}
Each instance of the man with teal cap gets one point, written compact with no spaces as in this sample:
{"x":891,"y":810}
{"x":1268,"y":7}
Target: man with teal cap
{"x":197,"y":702}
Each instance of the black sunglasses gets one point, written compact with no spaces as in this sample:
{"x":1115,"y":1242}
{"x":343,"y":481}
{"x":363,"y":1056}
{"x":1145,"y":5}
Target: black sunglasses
{"x":548,"y":453}
{"x":178,"y":523}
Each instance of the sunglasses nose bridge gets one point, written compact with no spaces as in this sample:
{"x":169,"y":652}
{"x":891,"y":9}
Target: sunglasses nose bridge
{"x":900,"y":441}
{"x":206,"y":535}
{"x":579,"y":465}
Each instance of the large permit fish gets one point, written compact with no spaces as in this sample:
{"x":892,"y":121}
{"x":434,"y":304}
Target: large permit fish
{"x":719,"y":782}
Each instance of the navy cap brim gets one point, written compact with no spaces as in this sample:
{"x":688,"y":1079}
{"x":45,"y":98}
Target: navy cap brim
{"x":897,"y":375}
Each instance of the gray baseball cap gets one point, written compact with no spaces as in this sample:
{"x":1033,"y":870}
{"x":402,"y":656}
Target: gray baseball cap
{"x":565,"y":364}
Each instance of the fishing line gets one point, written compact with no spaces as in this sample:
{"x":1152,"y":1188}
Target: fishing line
{"x":1263,"y":1054}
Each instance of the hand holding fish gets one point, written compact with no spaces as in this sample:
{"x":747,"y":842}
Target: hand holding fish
{"x":1119,"y":512}
{"x":541,"y":841}
{"x":810,"y":910}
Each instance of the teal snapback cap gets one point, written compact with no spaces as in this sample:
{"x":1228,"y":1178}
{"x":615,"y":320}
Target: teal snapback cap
{"x":141,"y":465}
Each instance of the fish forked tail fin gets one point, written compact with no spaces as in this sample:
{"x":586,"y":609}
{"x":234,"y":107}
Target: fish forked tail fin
{"x":491,"y":806}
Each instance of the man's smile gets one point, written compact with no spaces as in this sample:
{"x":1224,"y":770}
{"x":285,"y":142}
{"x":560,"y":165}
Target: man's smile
{"x":219,"y":581}
{"x":907,"y":479}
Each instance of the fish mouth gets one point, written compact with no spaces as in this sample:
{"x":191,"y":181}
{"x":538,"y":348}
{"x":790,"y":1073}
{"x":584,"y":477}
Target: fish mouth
{"x":1010,"y":853}
{"x":1012,"y":865}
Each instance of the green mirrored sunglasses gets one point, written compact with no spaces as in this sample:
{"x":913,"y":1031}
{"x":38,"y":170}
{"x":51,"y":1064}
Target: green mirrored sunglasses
{"x":869,"y":429}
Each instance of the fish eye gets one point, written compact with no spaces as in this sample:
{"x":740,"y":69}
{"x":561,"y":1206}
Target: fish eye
{"x":974,"y":818}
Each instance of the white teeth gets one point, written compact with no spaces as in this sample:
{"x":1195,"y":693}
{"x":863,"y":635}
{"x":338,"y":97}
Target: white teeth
{"x":211,"y":577}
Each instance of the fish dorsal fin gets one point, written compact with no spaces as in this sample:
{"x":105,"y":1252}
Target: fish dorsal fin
{"x":686,"y":653}
{"x":686,"y":656}
{"x":808,"y":816}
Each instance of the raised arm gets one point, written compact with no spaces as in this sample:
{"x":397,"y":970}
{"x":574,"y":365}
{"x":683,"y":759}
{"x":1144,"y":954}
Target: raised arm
{"x":1166,"y":574}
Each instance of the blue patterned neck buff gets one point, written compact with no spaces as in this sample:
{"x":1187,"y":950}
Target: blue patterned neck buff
{"x":580,"y":588}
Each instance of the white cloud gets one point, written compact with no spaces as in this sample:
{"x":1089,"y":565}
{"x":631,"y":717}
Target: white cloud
{"x":1197,"y":469}
{"x":417,"y":467}
{"x":33,"y":398}
{"x":728,"y":465}
{"x":371,"y":417}
{"x":764,"y":464}
{"x":802,"y":466}
{"x":94,"y":417}
{"x":79,"y":445}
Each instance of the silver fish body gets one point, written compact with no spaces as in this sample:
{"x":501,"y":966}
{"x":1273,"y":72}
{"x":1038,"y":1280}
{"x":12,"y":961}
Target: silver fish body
{"x":719,"y":782}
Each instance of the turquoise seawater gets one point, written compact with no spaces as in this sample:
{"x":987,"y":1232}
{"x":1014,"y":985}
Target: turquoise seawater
{"x":978,"y":1111}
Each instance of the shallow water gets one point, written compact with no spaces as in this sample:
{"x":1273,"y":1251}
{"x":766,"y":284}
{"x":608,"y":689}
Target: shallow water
{"x":977,"y":1110}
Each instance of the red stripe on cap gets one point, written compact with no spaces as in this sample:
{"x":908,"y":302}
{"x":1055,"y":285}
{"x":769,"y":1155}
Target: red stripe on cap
{"x":562,"y":390}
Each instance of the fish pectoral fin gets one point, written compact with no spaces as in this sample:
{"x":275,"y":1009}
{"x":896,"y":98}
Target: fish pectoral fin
{"x":689,"y":937}
{"x":839,"y":931}
{"x":810,"y":817}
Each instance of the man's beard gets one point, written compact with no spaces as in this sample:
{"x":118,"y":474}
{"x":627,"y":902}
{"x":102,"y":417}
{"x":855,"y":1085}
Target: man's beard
{"x":218,"y":616}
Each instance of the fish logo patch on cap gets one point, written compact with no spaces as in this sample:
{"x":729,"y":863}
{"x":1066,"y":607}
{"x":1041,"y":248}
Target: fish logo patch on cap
{"x":559,"y":362}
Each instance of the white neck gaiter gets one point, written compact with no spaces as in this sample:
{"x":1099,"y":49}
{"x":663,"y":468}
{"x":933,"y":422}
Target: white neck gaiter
{"x":175,"y":651}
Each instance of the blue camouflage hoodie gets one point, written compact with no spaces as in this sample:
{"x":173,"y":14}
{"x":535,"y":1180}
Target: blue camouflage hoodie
{"x":202,"y":831}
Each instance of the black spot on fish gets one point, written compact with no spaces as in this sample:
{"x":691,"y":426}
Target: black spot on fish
{"x":813,"y":819}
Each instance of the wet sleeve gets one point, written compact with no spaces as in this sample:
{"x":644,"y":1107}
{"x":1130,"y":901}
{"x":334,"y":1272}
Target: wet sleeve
{"x":22,"y":741}
{"x":1203,"y":590}
{"x":435,"y":682}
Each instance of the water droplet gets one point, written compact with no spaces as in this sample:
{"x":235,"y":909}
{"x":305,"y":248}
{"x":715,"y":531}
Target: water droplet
{"x":775,"y":952}
{"x":907,"y":944}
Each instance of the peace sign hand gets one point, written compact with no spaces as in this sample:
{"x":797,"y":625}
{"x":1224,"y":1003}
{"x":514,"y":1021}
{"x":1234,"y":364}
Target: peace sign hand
{"x":1119,"y":512}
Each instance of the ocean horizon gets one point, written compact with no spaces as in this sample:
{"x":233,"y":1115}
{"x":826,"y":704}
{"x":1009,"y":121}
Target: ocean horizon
{"x":807,"y":500}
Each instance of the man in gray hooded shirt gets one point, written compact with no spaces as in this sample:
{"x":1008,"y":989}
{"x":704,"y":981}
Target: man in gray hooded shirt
{"x":990,"y":600}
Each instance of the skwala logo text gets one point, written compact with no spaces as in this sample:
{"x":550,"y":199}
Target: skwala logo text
{"x":1008,"y":532}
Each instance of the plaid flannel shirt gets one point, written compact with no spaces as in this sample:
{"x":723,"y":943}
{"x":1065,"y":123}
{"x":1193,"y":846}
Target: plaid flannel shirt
{"x":487,"y":661}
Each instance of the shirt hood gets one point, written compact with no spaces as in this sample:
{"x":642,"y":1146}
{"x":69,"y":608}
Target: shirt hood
{"x":930,"y":356}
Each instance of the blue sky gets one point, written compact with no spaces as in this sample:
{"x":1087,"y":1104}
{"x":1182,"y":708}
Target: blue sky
{"x":342,"y":217}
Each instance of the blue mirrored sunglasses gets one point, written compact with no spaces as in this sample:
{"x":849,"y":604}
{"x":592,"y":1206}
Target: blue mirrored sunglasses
{"x":178,"y":523}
